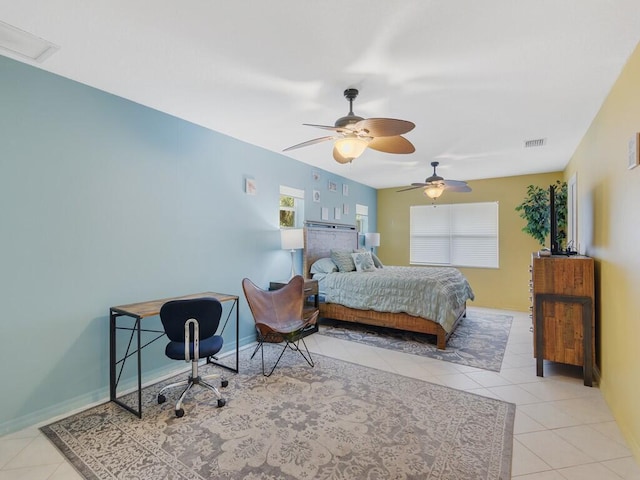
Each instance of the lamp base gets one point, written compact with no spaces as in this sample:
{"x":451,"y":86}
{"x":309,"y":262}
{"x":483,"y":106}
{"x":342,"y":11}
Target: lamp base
{"x":293,"y":270}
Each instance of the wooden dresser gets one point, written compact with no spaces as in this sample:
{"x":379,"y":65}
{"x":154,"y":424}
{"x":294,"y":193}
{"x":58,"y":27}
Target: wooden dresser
{"x":563,"y":311}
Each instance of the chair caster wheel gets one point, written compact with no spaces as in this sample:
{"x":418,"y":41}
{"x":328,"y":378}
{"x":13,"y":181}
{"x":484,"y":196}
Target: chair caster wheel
{"x":161,"y":399}
{"x":180,"y":413}
{"x":224,"y":383}
{"x":221,"y":402}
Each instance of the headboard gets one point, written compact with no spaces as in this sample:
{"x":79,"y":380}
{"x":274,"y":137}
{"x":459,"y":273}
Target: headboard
{"x":320,"y":238}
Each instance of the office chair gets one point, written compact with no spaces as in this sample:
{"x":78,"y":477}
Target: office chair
{"x":191,"y":326}
{"x":278,"y":317}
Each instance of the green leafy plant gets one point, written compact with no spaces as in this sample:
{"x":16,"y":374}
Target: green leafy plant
{"x":535,"y":210}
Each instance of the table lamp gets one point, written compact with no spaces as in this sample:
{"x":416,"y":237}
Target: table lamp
{"x":371,"y":240}
{"x":292,"y":239}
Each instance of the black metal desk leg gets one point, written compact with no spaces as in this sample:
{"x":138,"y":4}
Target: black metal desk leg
{"x":112,"y":355}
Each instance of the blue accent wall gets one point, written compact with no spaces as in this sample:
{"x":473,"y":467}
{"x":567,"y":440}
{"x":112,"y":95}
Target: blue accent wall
{"x":106,"y":202}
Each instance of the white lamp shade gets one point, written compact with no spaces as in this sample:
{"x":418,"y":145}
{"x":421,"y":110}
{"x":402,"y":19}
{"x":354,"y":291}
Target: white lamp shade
{"x":351,"y":146}
{"x":292,"y":238}
{"x":434,"y":191}
{"x":371,"y":239}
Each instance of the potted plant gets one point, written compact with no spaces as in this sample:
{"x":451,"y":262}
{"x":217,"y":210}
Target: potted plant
{"x":535,"y":210}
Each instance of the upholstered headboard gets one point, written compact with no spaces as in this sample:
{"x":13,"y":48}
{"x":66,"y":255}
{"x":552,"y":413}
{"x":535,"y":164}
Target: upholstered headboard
{"x":320,"y":238}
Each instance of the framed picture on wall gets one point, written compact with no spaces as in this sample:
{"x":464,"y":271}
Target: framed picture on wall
{"x":634,"y":151}
{"x":345,"y":209}
{"x":250,"y":187}
{"x":333,"y":186}
{"x":345,"y":190}
{"x":324,"y":213}
{"x":336,"y":213}
{"x":316,"y":195}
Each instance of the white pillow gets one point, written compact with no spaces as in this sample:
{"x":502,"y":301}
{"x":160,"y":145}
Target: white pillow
{"x":323,"y":265}
{"x":363,"y":262}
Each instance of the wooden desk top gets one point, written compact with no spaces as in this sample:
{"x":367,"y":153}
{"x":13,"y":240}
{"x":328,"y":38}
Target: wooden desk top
{"x":152,"y":307}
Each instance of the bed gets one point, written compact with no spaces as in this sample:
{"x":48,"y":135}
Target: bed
{"x":436,"y":306}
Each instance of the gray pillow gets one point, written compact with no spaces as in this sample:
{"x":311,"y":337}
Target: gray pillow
{"x":324,"y":265}
{"x":363,"y":262}
{"x":376,"y":260}
{"x":342,"y":258}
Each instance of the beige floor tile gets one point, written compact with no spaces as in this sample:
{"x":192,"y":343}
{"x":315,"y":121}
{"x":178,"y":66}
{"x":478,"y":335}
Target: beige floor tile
{"x":39,"y":451}
{"x":598,"y":446}
{"x":592,"y":471}
{"x":625,"y":468}
{"x":556,"y":451}
{"x":38,"y":472}
{"x":525,"y":461}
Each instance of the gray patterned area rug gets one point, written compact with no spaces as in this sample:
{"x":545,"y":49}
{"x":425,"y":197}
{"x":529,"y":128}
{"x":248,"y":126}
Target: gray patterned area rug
{"x":335,"y":421}
{"x":479,"y":340}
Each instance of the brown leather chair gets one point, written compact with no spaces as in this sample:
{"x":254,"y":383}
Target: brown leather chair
{"x":278,"y":317}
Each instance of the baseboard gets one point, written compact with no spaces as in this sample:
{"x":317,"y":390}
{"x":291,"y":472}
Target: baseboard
{"x":77,"y":404}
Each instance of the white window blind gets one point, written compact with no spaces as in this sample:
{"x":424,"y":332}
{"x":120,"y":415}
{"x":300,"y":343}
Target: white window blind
{"x":463,"y":235}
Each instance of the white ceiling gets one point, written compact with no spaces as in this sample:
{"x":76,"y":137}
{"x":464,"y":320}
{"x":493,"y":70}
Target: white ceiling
{"x":478,"y":78}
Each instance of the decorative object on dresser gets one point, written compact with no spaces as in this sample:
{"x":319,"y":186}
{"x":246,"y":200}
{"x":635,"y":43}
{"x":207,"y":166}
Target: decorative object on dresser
{"x":413,"y":307}
{"x":563,"y":312}
{"x":340,"y":420}
{"x":292,"y":239}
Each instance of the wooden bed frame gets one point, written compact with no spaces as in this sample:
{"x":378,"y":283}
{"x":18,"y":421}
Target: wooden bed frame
{"x":319,"y":239}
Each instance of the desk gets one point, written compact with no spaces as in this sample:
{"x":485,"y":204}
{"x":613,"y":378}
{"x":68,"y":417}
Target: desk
{"x":141,"y":310}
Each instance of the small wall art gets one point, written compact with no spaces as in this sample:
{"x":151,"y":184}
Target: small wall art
{"x":250,"y":187}
{"x":345,"y":209}
{"x":345,"y":189}
{"x":336,"y":213}
{"x":324,"y":213}
{"x":333,"y":186}
{"x":634,"y":151}
{"x":315,"y":175}
{"x":316,"y":195}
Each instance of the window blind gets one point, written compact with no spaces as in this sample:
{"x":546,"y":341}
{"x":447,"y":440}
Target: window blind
{"x":463,"y":234}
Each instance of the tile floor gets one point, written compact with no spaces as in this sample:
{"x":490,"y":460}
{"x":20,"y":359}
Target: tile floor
{"x":563,"y":430}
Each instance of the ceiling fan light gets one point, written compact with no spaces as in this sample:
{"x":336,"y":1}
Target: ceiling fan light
{"x":351,"y":146}
{"x":434,"y":191}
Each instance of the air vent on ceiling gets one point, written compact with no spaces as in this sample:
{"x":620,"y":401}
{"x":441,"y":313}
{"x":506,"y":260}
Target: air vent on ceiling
{"x":16,"y":41}
{"x":537,"y":142}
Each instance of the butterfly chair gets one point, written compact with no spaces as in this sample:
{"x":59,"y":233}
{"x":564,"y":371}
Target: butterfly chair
{"x":191,"y":326}
{"x":278,"y":317}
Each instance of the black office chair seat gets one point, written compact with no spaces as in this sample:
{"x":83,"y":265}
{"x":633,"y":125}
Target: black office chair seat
{"x":208,"y":347}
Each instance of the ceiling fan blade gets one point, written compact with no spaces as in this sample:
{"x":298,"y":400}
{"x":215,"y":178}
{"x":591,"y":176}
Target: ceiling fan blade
{"x":384,"y":127}
{"x":413,"y":187}
{"x":459,"y":188}
{"x":329,"y":127}
{"x":339,"y":158}
{"x":308,"y":142}
{"x":454,"y":183}
{"x":395,"y":144}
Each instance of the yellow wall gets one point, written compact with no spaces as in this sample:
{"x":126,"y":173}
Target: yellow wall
{"x":506,"y":287}
{"x":609,"y":228}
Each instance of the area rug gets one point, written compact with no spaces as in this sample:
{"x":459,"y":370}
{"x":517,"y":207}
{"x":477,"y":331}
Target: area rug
{"x":335,"y":421}
{"x":478,"y":341}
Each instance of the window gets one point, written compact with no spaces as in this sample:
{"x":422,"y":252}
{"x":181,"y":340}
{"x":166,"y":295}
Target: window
{"x":291,"y":207}
{"x":463,"y":234}
{"x":362,"y":218}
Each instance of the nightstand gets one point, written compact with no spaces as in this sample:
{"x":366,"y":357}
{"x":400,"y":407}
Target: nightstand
{"x":312,"y":300}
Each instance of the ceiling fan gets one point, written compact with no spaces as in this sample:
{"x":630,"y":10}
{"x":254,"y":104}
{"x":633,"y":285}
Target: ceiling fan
{"x":353,"y":134}
{"x":435,"y":185}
